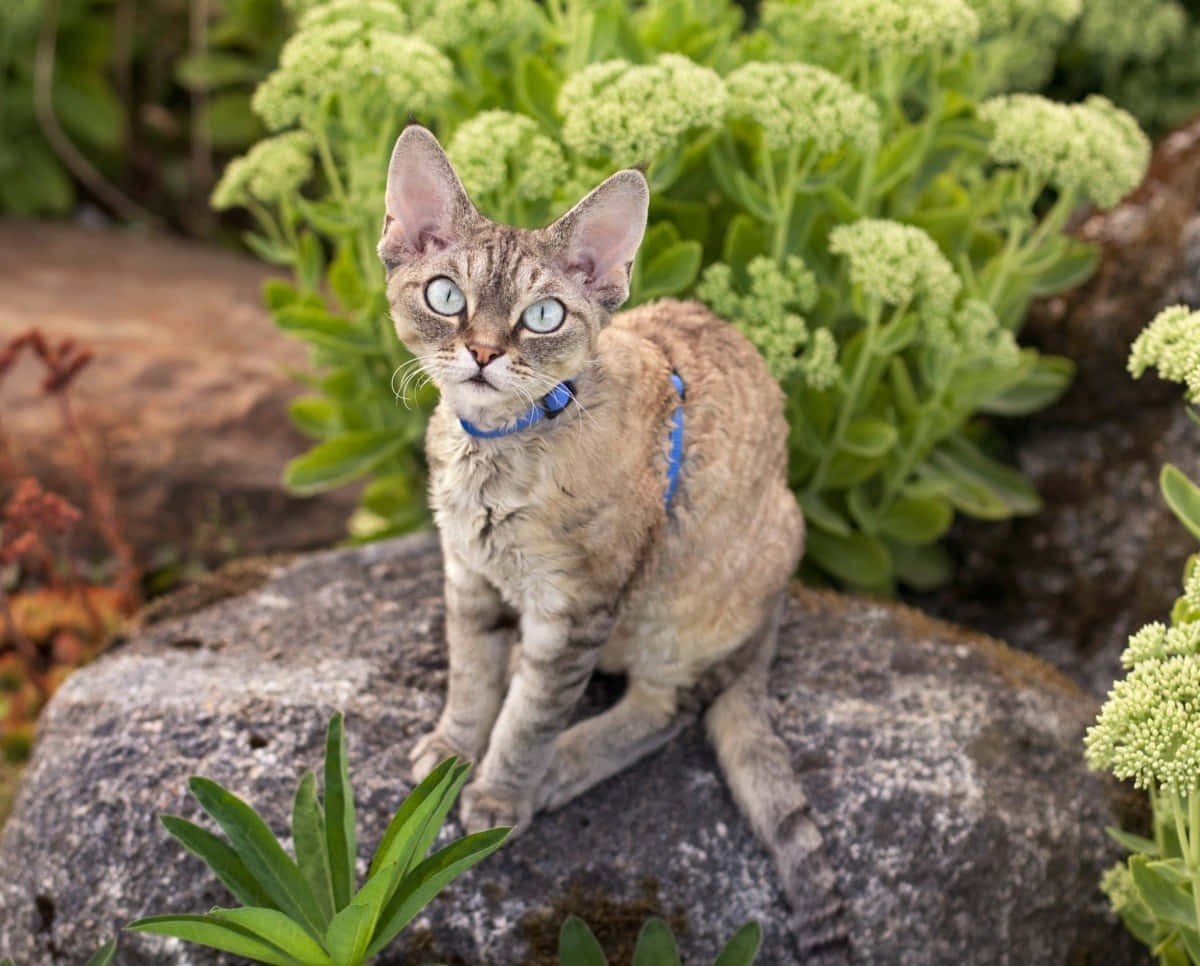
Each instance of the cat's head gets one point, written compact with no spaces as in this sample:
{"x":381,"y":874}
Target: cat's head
{"x":498,"y":316}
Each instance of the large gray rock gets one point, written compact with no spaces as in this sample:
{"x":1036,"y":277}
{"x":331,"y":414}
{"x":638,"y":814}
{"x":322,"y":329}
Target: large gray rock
{"x":1105,"y":555}
{"x":944,"y":772}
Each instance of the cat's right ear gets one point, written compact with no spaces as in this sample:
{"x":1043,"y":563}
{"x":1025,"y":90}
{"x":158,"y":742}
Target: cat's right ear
{"x":427,"y":206}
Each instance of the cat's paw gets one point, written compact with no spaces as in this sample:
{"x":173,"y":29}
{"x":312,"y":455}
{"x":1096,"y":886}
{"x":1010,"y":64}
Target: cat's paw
{"x":485,"y":807}
{"x":431,"y":751}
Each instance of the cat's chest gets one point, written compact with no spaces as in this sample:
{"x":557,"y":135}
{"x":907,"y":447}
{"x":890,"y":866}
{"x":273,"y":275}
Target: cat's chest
{"x":495,"y":512}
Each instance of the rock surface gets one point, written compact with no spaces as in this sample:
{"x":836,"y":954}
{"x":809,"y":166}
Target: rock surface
{"x":1105,"y":555}
{"x":944,"y":772}
{"x":184,"y":354}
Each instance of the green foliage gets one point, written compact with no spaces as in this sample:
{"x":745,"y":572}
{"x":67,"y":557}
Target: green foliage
{"x":577,"y":946}
{"x":839,"y":183}
{"x":133,"y":92}
{"x":1140,"y":54}
{"x":1149,"y":726}
{"x":307,"y":910}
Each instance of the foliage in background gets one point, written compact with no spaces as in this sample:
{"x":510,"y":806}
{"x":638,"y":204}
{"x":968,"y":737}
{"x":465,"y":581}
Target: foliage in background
{"x":53,"y":617}
{"x":136,"y":101}
{"x":1149,"y":726}
{"x":307,"y":910}
{"x":839,"y":183}
{"x":577,"y":946}
{"x":1139,"y":53}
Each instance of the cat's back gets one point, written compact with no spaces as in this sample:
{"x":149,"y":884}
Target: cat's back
{"x":732,"y":401}
{"x":688,"y":331}
{"x":734,"y":532}
{"x":735,"y":454}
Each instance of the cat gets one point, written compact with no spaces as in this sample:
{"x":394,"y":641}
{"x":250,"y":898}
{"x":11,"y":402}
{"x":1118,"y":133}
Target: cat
{"x":576,"y":516}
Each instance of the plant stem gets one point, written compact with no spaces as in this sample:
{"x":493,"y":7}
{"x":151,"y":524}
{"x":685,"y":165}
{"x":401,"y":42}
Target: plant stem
{"x":900,"y":472}
{"x":1189,"y":840}
{"x":60,"y":143}
{"x":1008,"y":258}
{"x":1055,"y":218}
{"x":1180,"y":824}
{"x":1156,"y":807}
{"x":326,"y":156}
{"x":783,"y":204}
{"x":1194,"y":829}
{"x":265,"y":220}
{"x":850,"y":403}
{"x":103,"y":504}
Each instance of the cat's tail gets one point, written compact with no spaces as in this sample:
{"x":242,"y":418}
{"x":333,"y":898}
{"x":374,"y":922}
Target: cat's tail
{"x":758,"y":768}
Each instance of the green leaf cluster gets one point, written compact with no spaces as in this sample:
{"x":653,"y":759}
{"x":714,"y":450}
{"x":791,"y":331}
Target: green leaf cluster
{"x":307,"y":910}
{"x":578,"y":946}
{"x":1149,"y":726}
{"x":836,"y":182}
{"x":1154,"y":890}
{"x":126,"y":87}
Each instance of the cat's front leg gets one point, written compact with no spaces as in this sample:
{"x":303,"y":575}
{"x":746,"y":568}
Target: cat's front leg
{"x":480,"y":631}
{"x":553,"y":671}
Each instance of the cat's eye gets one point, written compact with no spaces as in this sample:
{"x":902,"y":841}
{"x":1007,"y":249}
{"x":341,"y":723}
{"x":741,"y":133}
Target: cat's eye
{"x":545,"y":315}
{"x":444,"y":297}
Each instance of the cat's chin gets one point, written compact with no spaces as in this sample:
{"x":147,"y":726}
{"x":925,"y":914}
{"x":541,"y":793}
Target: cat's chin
{"x":483,"y":404}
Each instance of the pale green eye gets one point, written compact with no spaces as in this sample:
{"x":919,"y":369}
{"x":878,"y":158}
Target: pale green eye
{"x":544,"y":316}
{"x":444,"y":297}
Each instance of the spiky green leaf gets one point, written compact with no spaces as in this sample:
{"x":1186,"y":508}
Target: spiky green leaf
{"x":213,"y":932}
{"x":219,"y":857}
{"x":340,"y":837}
{"x":264,"y":857}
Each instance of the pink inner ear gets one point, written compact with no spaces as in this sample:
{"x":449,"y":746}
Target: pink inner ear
{"x":607,"y":240}
{"x":418,"y":209}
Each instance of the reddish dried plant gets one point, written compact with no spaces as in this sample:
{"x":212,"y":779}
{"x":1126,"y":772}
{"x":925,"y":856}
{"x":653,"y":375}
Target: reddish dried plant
{"x":55,"y":627}
{"x":63,"y":361}
{"x":32,"y":518}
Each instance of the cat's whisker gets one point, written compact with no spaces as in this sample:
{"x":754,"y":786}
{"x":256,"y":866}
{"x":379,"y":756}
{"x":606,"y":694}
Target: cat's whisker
{"x":414,"y":374}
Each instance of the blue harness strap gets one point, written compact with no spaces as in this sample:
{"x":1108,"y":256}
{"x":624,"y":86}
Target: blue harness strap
{"x":675,"y":456}
{"x":558,"y":398}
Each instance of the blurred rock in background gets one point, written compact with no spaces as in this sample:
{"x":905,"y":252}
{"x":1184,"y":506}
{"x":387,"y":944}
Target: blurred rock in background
{"x":185,"y":400}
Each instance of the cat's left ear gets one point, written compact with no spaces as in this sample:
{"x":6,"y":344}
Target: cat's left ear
{"x":427,"y":206}
{"x":599,"y":237}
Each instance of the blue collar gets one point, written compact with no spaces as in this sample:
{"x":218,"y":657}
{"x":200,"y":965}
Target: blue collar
{"x":558,"y":398}
{"x":553,"y":403}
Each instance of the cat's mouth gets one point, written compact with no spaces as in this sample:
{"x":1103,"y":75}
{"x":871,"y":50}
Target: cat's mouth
{"x":479,"y":379}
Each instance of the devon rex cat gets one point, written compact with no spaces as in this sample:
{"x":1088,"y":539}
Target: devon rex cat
{"x":569,"y":500}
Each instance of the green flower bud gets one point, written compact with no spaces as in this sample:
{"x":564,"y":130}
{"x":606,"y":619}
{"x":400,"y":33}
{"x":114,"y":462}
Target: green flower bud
{"x":896,"y":264}
{"x":801,"y":104}
{"x":1171,"y":344}
{"x":1094,"y":147}
{"x":631,"y":114}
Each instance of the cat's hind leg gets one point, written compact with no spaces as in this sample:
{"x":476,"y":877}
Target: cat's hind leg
{"x":643,"y":719}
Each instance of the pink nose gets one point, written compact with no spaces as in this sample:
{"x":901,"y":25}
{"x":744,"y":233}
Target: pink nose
{"x":483,"y":354}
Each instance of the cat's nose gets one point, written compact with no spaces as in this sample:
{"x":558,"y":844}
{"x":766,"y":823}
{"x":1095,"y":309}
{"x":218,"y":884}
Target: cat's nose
{"x":483,"y":354}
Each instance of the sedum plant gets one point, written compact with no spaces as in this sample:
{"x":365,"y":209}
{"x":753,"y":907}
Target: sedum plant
{"x":578,"y":946}
{"x":846,"y":183}
{"x":307,"y":911}
{"x":1148,"y":729}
